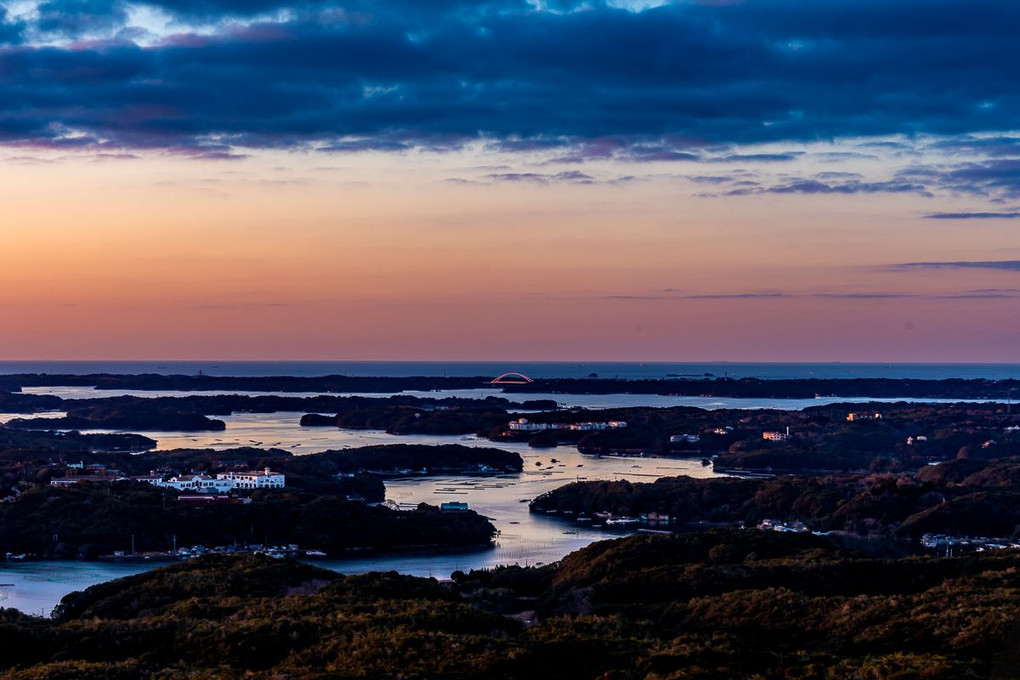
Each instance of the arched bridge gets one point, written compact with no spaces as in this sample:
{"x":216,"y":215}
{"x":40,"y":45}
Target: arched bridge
{"x":511,"y":378}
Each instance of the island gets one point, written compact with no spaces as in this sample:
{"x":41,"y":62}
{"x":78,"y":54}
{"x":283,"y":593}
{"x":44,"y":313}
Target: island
{"x":85,"y":505}
{"x":720,"y":604}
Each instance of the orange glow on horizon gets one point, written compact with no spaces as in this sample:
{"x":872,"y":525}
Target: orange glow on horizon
{"x":279,"y":257}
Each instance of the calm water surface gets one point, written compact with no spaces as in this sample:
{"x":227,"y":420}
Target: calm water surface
{"x":547,"y":369}
{"x":523,"y":538}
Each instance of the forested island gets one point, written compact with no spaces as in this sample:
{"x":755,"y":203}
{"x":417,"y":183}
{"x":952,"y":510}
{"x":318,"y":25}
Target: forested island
{"x":696,"y":603}
{"x":820,"y":439}
{"x":961,"y":498}
{"x":716,"y":605}
{"x":325,"y":505}
{"x":132,"y":518}
{"x":397,"y":414}
{"x":714,"y":386}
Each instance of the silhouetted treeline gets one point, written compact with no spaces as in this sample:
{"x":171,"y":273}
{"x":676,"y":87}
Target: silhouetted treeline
{"x":797,"y":388}
{"x":962,"y":498}
{"x":729,"y":604}
{"x":97,"y":519}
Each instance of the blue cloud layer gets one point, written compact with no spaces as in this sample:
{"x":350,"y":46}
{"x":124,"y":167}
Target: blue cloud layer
{"x":662,"y":81}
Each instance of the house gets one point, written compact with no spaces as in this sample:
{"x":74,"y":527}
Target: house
{"x":776,"y":436}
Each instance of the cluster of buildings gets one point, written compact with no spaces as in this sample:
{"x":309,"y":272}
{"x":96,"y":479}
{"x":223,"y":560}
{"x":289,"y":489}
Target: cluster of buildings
{"x":954,"y":545}
{"x":198,"y":482}
{"x":772,"y":436}
{"x":857,"y":417}
{"x":221,"y":483}
{"x":523,"y":425}
{"x":794,"y":527}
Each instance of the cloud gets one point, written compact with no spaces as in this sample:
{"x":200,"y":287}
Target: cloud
{"x":977,"y":296}
{"x":671,"y":294}
{"x":973,"y":216}
{"x":76,"y":18}
{"x":571,"y":176}
{"x":698,"y":75}
{"x":1000,"y":265}
{"x":997,"y":178}
{"x":757,"y":157}
{"x":839,"y":183}
{"x":11,"y":31}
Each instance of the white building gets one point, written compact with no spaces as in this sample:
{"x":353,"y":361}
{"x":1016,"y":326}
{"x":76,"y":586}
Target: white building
{"x":262,"y":479}
{"x":194,"y":482}
{"x":221,"y":483}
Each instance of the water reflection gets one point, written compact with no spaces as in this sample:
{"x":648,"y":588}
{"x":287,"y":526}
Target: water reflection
{"x":37,"y":587}
{"x":523,"y":538}
{"x":7,"y":417}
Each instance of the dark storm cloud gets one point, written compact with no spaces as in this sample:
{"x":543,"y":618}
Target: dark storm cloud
{"x":704,"y":75}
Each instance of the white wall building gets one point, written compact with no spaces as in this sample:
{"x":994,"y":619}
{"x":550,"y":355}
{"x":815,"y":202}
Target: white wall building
{"x":221,"y":483}
{"x":262,"y":479}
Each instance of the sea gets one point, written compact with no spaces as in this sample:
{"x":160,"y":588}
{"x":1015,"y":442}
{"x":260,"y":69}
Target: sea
{"x":544,"y":369}
{"x":525,"y":539}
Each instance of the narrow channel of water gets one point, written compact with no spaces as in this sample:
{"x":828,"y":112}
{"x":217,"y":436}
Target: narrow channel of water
{"x":525,"y":539}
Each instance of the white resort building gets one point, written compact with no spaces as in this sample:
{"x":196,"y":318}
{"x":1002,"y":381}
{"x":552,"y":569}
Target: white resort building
{"x":261,"y":479}
{"x":221,"y":483}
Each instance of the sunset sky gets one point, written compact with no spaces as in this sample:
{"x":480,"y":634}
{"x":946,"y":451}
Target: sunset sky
{"x":767,"y":180}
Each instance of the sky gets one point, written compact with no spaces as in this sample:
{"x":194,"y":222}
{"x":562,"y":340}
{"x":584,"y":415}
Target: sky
{"x":757,"y":180}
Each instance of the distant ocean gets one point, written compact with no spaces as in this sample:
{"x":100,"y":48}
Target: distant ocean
{"x":532,"y":369}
